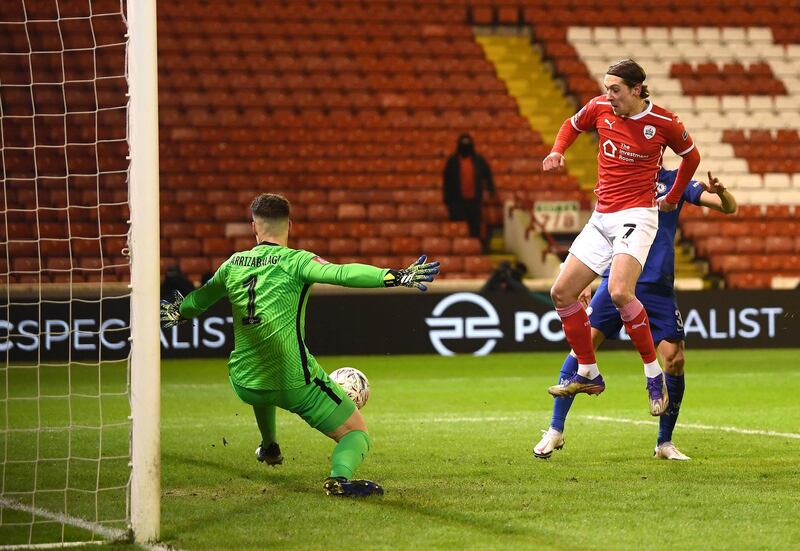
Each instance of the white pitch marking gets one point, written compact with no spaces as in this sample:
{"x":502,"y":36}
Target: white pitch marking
{"x":697,"y":426}
{"x":104,"y":531}
{"x":526,"y":416}
{"x":469,"y":419}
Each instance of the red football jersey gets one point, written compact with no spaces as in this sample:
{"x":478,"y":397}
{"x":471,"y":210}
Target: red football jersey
{"x":630,"y":151}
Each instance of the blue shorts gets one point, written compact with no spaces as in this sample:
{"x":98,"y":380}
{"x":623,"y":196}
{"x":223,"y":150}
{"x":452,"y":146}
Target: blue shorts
{"x":666,"y":323}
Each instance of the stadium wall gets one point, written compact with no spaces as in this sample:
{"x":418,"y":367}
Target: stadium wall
{"x":454,"y":323}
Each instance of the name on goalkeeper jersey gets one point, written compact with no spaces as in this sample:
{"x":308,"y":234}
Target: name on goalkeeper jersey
{"x":255,"y":261}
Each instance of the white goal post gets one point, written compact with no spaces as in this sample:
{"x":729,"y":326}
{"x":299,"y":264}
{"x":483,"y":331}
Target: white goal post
{"x":145,"y":371}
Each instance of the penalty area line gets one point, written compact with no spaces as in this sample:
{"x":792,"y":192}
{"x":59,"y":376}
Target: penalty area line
{"x":697,"y":426}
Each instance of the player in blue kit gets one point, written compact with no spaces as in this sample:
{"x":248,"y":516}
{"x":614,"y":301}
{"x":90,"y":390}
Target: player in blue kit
{"x":656,"y":290}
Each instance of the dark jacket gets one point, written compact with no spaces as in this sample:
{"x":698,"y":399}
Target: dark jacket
{"x":452,"y":179}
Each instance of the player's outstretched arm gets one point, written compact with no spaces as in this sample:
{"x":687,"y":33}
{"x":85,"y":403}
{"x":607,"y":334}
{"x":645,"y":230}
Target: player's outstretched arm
{"x":717,"y":197}
{"x":171,"y":311}
{"x":413,"y":276}
{"x":179,"y":310}
{"x":316,"y":270}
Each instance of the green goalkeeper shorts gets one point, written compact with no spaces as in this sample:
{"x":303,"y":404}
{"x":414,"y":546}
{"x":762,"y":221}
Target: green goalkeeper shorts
{"x":322,"y":404}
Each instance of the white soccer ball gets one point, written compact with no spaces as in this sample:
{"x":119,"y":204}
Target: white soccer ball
{"x":354,"y":383}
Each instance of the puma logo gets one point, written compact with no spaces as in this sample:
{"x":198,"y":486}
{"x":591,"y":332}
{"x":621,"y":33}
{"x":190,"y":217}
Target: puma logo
{"x":638,"y":325}
{"x":609,"y":123}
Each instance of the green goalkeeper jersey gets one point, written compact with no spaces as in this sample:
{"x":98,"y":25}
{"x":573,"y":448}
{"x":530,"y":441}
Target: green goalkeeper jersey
{"x":268,"y":288}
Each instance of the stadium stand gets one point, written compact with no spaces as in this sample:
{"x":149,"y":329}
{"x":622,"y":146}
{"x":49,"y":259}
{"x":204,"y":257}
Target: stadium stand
{"x":350,"y":109}
{"x":732,"y":72}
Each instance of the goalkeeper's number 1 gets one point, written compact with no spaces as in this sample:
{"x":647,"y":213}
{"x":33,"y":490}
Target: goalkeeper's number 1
{"x":251,"y":318}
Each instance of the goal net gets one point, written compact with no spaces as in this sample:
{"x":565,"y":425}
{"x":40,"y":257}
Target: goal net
{"x":65,"y":274}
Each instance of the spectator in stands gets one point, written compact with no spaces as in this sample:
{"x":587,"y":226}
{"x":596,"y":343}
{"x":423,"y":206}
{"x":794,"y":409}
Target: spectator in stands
{"x":507,"y":278}
{"x":174,"y":280}
{"x":466,"y":175}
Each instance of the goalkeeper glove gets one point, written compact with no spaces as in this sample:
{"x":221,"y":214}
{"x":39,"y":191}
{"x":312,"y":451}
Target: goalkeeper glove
{"x":171,"y":311}
{"x":413,"y":276}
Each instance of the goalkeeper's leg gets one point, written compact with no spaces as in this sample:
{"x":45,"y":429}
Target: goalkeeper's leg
{"x":325,"y":406}
{"x":352,"y":444}
{"x":265,"y":418}
{"x":268,"y":451}
{"x":263,"y":402}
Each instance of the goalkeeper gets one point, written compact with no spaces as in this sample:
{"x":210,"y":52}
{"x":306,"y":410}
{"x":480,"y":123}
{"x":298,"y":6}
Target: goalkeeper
{"x":270,"y":366}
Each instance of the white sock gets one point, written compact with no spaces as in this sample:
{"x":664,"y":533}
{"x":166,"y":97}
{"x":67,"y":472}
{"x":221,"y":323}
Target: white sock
{"x":651,"y":370}
{"x":590,"y":371}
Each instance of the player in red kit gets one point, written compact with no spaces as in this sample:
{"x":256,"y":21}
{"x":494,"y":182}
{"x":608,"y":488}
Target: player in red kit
{"x":633,"y":133}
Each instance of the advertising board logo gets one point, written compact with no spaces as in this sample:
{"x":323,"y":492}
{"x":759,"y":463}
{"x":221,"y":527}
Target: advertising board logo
{"x":480,"y":327}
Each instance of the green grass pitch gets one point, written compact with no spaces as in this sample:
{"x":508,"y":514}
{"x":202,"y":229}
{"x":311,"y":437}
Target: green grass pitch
{"x":452,"y":444}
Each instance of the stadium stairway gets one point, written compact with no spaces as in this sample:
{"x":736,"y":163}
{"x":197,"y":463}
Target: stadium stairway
{"x":540,"y":97}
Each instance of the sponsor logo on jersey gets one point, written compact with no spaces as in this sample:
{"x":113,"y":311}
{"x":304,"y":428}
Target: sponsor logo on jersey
{"x":649,"y":131}
{"x":609,"y":149}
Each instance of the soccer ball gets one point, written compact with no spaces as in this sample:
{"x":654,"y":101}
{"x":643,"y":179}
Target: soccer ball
{"x":354,"y":383}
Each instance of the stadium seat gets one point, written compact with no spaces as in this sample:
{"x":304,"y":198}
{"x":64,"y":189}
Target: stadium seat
{"x":479,"y":266}
{"x":373,"y":246}
{"x":182,"y":246}
{"x":216,"y":246}
{"x":404,"y":246}
{"x":466,"y":246}
{"x":750,"y":244}
{"x":344,"y":246}
{"x":434,"y":246}
{"x":777,"y":244}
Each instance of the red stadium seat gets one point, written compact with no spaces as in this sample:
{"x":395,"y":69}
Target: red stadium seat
{"x":478,"y":265}
{"x":726,"y":263}
{"x":185,"y":247}
{"x":314,"y":245}
{"x":194,"y":267}
{"x":707,"y":246}
{"x":433,"y":246}
{"x":750,"y":244}
{"x":745,"y":280}
{"x":777,"y":244}
{"x":381,"y":212}
{"x":217,"y":246}
{"x":466,"y":246}
{"x":404,"y":245}
{"x":343,"y":246}
{"x":350,"y":211}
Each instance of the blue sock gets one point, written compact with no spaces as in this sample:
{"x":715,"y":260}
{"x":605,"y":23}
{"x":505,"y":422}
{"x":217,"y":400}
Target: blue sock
{"x":561,"y":404}
{"x":666,"y":423}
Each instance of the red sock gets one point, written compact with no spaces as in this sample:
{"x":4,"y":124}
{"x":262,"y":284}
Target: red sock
{"x":578,"y":331}
{"x":637,"y":324}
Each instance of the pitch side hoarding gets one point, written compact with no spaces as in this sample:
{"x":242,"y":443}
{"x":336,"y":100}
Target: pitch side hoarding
{"x":391,"y":323}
